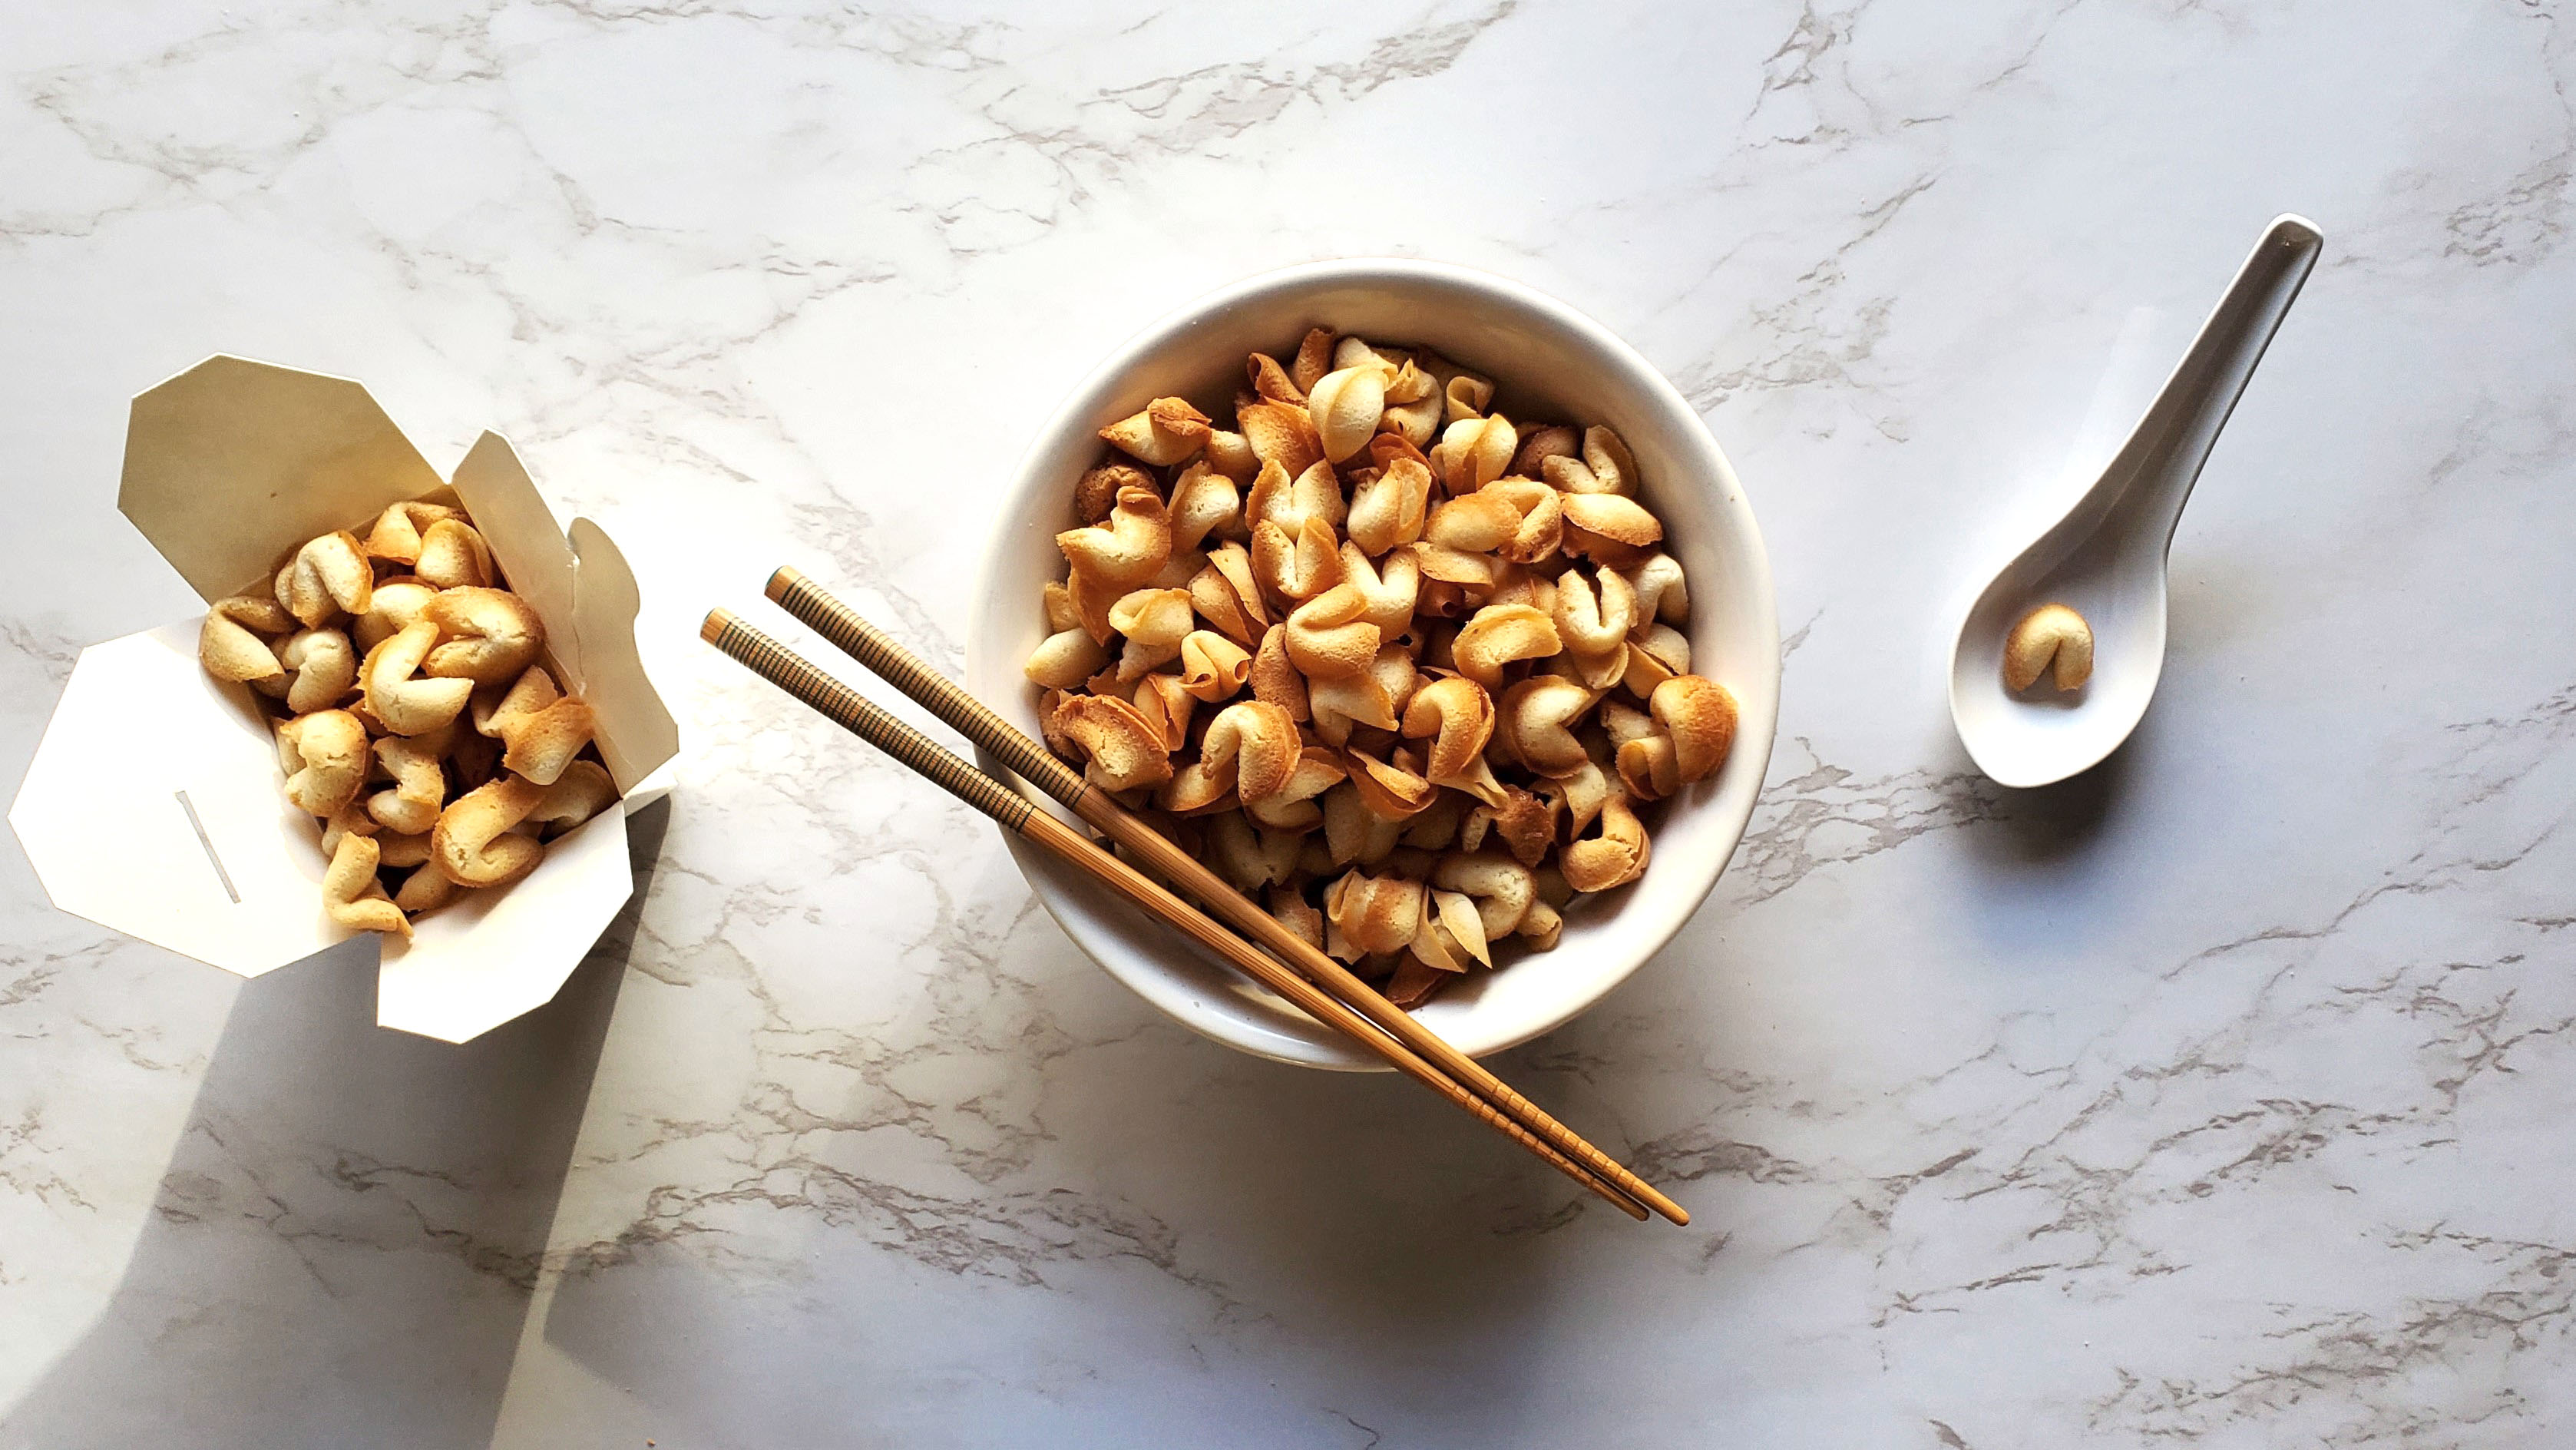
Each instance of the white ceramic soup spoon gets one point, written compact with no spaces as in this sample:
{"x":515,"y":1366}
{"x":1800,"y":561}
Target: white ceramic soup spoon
{"x":2106,"y":557}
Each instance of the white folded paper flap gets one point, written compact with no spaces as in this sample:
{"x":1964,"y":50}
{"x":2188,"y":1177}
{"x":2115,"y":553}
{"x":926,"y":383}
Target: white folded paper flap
{"x":233,"y":461}
{"x":490,"y":955}
{"x":144,"y":753}
{"x":637,"y":735}
{"x":586,"y":595}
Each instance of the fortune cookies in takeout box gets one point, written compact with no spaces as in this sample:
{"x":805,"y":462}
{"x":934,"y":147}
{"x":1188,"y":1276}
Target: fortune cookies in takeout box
{"x":154,"y":803}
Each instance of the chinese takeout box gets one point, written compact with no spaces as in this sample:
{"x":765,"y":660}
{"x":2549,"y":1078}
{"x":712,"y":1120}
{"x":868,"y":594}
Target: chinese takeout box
{"x":154,"y":803}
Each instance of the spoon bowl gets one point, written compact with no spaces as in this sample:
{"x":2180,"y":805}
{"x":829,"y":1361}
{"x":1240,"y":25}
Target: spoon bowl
{"x":2106,"y":557}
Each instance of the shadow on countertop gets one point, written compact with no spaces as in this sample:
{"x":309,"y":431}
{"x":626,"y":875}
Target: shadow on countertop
{"x":345,"y":1240}
{"x":814,"y":1283}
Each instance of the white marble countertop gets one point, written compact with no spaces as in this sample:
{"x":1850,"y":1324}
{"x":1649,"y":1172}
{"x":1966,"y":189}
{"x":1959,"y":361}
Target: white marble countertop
{"x":2219,"y":1097}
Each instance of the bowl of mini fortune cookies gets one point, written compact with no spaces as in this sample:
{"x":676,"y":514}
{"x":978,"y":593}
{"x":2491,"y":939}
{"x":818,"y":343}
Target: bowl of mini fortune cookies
{"x":1423,"y":610}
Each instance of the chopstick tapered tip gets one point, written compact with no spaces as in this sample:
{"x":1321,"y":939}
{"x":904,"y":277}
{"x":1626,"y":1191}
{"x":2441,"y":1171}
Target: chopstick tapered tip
{"x":784,"y":579}
{"x":714,"y":626}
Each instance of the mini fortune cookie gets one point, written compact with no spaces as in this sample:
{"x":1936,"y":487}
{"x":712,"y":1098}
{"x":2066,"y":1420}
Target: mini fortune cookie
{"x":1346,"y":406}
{"x":1542,"y":519}
{"x":1699,"y":715}
{"x":1390,"y":509}
{"x":408,"y":705}
{"x":1168,"y":431}
{"x":1124,"y":748}
{"x":325,"y":757}
{"x":1655,"y":654}
{"x":1538,"y":716}
{"x":1353,"y":832}
{"x":1662,"y":593}
{"x":1610,"y":528}
{"x":1457,"y":717}
{"x":1474,"y":523}
{"x":1249,"y":857}
{"x":1203,"y":502}
{"x":493,"y":711}
{"x":1371,"y":915}
{"x":397,"y":532}
{"x":1502,"y":889}
{"x":1391,"y":592}
{"x":1155,"y":622}
{"x":1213,"y":667}
{"x":419,"y":789}
{"x":1524,"y":820}
{"x":397,"y":603}
{"x":489,"y":635}
{"x":453,"y":556}
{"x":1415,"y":416}
{"x":325,"y":669}
{"x":351,"y":894}
{"x":1128,"y":548}
{"x":1329,"y":635}
{"x":472,"y":845}
{"x":328,"y":577}
{"x":425,"y":890}
{"x":1065,"y":659}
{"x":1166,"y":705}
{"x":1281,"y":434}
{"x":1474,"y":451}
{"x":541,"y":744}
{"x":1593,"y":620}
{"x":1271,"y":381}
{"x":1452,"y":935}
{"x":1541,"y":443}
{"x":1275,"y":677}
{"x":1293,"y":808}
{"x":1372,"y":698}
{"x":1604,"y":466}
{"x":1318,"y":353}
{"x":1097,"y":492}
{"x":1260,"y":740}
{"x":1386,"y":788}
{"x":2051,"y":635}
{"x":230,"y":644}
{"x":1615,"y":857}
{"x":579,"y":793}
{"x":1500,"y":634}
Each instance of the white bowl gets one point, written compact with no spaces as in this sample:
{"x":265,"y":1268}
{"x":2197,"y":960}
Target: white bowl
{"x":1551,"y":364}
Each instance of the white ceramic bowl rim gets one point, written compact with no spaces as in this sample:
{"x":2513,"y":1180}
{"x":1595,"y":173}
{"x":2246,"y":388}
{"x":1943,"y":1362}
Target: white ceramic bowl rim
{"x":1695,"y":836}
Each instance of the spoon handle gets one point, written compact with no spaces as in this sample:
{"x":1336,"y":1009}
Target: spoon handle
{"x":2163,"y":458}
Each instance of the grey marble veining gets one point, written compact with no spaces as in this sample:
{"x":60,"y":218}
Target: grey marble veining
{"x":2218,"y":1097}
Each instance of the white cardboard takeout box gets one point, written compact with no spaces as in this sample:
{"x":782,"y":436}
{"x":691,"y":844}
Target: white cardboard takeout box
{"x":154,"y":803}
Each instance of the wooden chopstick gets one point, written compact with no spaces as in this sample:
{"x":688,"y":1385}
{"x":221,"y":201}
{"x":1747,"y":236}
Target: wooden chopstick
{"x":970,"y":717}
{"x":1015,"y":813}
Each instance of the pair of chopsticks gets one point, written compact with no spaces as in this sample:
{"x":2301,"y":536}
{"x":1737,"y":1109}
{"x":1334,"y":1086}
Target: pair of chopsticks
{"x":1273,"y":955}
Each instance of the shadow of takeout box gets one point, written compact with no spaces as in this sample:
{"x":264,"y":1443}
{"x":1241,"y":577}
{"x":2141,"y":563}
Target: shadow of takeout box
{"x":153,"y":804}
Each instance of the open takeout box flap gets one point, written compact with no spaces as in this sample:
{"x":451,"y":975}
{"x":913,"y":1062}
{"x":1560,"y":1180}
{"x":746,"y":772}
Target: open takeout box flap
{"x":232,"y":462}
{"x":153,"y":806}
{"x":144,"y":751}
{"x":584,"y":591}
{"x":489,"y":956}
{"x":636,"y":735}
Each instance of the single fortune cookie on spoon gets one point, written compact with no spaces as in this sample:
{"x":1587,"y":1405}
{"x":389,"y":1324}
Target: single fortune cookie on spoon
{"x":2107,"y":555}
{"x":2050,"y":634}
